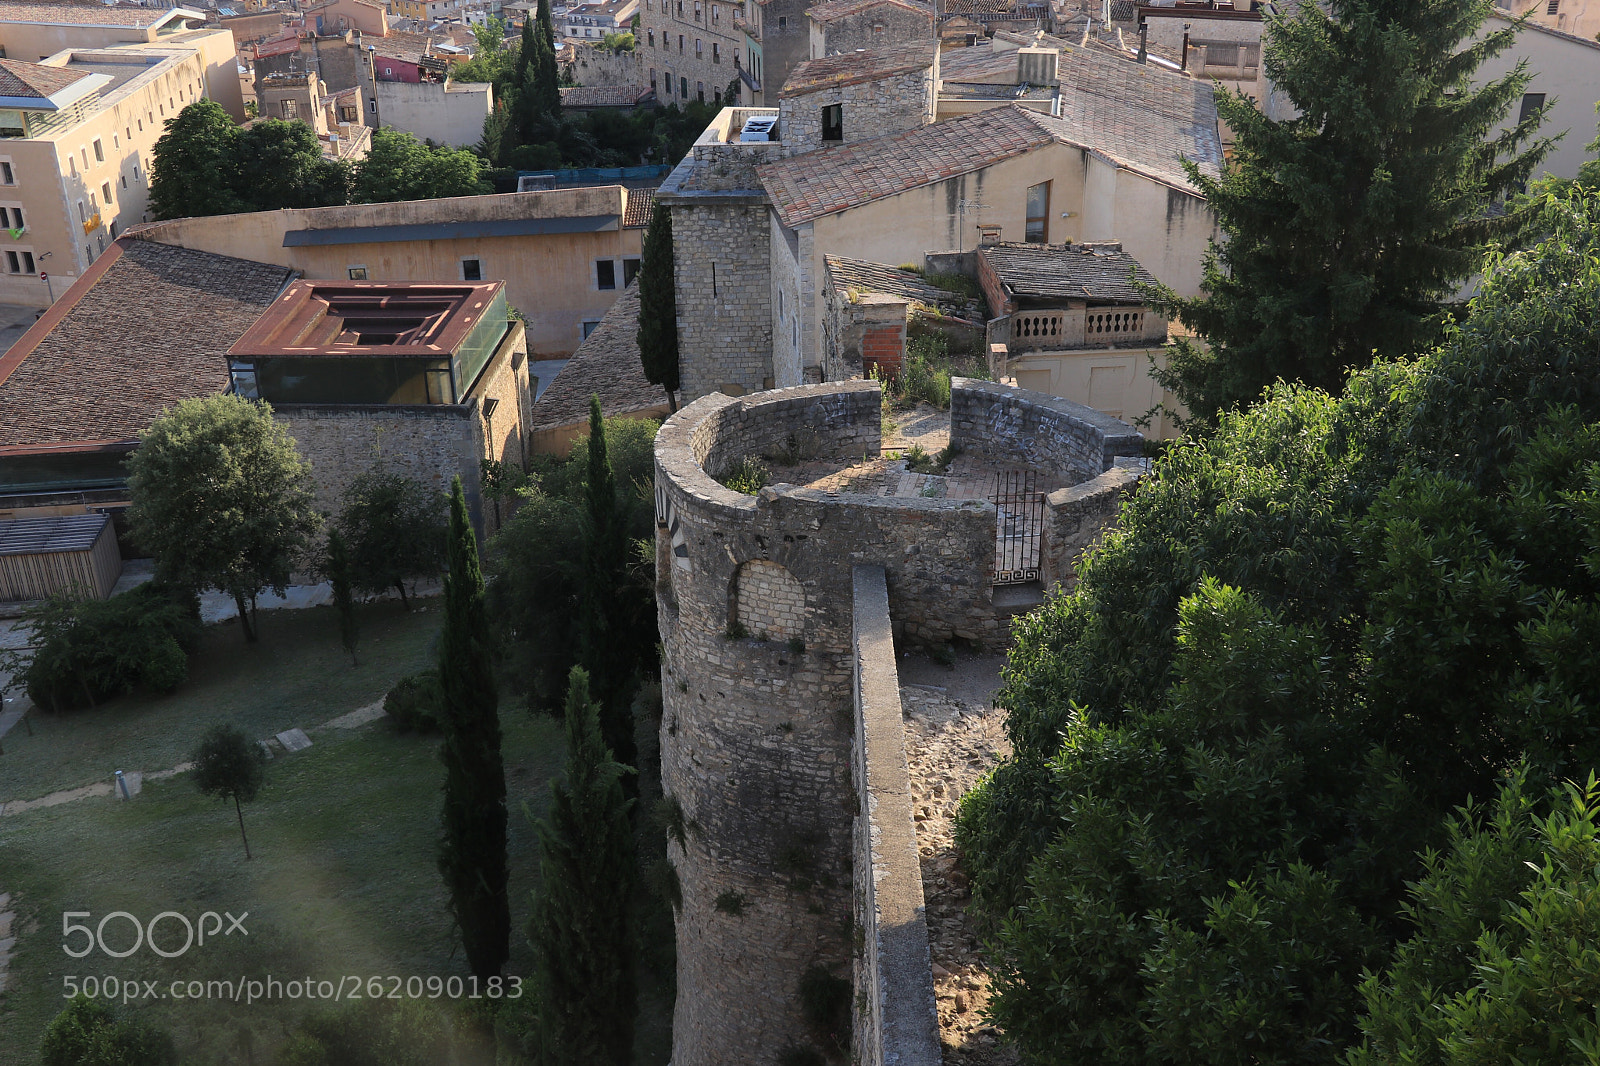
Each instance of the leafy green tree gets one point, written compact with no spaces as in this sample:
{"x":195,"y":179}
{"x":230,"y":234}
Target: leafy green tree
{"x":340,"y":576}
{"x":193,"y":167}
{"x":1312,"y":636}
{"x":399,"y":167}
{"x":88,"y":1033}
{"x":658,"y":307}
{"x":580,"y":928}
{"x":472,"y":855}
{"x":1349,"y":226}
{"x":394,"y":528}
{"x":228,"y":764}
{"x":280,"y":164}
{"x":222,"y":499}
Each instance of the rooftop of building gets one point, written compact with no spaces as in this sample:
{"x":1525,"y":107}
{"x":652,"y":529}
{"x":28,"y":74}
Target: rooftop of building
{"x":837,"y":9}
{"x":146,"y":326}
{"x":860,"y":275}
{"x":91,"y":14}
{"x":606,"y":95}
{"x":34,"y":81}
{"x":407,"y":47}
{"x":640,"y":205}
{"x":606,"y":365}
{"x":851,"y":68}
{"x":1093,"y":270}
{"x":348,"y":319}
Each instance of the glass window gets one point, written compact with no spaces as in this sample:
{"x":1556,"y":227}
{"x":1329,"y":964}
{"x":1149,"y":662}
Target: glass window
{"x":7,"y":176}
{"x":683,"y":87}
{"x":290,"y":108}
{"x":105,"y":192}
{"x":590,"y":326}
{"x":630,"y":270}
{"x":1531,"y":103}
{"x":700,"y":91}
{"x":358,"y":273}
{"x":605,"y":274}
{"x":1037,"y":230}
{"x":27,"y":263}
{"x":833,"y":122}
{"x":13,"y":264}
{"x":471,"y":270}
{"x":99,"y":151}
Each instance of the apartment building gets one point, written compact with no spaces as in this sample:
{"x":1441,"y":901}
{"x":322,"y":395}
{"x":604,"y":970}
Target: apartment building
{"x":690,"y":50}
{"x":77,"y":128}
{"x":591,"y":22}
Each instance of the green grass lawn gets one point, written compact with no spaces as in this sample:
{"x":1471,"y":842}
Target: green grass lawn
{"x":344,"y":834}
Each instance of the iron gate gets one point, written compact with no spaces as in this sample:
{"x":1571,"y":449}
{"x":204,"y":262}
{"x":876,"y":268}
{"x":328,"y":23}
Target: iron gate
{"x":1018,"y":526}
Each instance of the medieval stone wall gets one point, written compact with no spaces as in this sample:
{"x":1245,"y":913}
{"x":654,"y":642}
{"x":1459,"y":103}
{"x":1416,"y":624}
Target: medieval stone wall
{"x":868,"y":109}
{"x":595,"y":65}
{"x":878,"y":26}
{"x":1018,"y":426}
{"x":1077,"y":516}
{"x":724,"y":293}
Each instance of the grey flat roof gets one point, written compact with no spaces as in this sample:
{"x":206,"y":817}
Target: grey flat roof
{"x":44,"y":536}
{"x":446,"y":231}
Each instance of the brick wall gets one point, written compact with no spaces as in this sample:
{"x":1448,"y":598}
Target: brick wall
{"x":883,"y":349}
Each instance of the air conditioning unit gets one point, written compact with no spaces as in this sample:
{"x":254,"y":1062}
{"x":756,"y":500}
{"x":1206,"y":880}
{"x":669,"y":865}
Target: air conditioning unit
{"x":759,"y":128}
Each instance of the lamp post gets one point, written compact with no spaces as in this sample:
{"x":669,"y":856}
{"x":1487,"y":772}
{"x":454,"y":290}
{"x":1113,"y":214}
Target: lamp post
{"x":44,"y":277}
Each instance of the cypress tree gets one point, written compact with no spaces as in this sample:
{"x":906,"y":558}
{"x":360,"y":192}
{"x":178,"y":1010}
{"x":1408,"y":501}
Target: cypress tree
{"x":527,"y":50}
{"x":1349,"y":226}
{"x":546,"y":77}
{"x":472,"y":856}
{"x":658,"y":307}
{"x":545,"y":22}
{"x":601,"y":631}
{"x":583,"y":977}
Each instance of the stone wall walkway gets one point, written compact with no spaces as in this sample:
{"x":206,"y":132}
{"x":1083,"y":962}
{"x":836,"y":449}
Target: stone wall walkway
{"x":954,"y":734}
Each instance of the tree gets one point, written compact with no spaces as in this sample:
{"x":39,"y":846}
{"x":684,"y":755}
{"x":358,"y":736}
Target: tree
{"x":88,"y":1033}
{"x":222,"y":499}
{"x":1310,"y":638}
{"x":394,"y":528}
{"x":281,"y":164}
{"x":230,"y":765}
{"x":658,"y":306}
{"x":601,"y":635}
{"x":340,"y":577}
{"x":1349,"y":226}
{"x":546,"y":23}
{"x":193,"y":167}
{"x":399,"y":167}
{"x":472,"y":855}
{"x":579,"y":928}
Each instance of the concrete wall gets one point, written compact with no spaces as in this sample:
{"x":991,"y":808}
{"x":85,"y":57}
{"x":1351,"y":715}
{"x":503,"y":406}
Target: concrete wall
{"x":875,"y":27}
{"x":870,"y":109}
{"x":451,"y":113}
{"x":896,"y":1017}
{"x":550,"y":278}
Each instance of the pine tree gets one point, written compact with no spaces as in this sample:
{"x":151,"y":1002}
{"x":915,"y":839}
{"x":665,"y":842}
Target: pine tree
{"x":1348,"y":227}
{"x":583,"y":975}
{"x":658,"y":307}
{"x":340,"y":577}
{"x":600,"y":629}
{"x":472,"y":856}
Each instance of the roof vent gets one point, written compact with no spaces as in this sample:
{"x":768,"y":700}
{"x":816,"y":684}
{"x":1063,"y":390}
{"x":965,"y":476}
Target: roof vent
{"x":1037,"y":66}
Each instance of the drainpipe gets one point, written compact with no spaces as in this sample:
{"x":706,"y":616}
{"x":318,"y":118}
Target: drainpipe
{"x":1184,"y":66}
{"x":1144,"y":32}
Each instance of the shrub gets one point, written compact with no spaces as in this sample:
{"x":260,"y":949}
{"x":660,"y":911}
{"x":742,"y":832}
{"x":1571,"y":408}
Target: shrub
{"x":731,"y":902}
{"x":374,"y":1032}
{"x":415,"y":702}
{"x":748,"y":476}
{"x":88,"y":651}
{"x":88,"y":1033}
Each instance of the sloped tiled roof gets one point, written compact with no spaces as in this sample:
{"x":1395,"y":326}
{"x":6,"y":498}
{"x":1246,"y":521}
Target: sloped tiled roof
{"x":850,"y":68}
{"x":864,"y":276}
{"x":1067,"y":271}
{"x":641,"y":205}
{"x":398,"y":44}
{"x":607,"y":365}
{"x":605,"y":95}
{"x":146,"y":326}
{"x":34,"y":79}
{"x":807,"y":186}
{"x":836,"y":9}
{"x":88,"y":14}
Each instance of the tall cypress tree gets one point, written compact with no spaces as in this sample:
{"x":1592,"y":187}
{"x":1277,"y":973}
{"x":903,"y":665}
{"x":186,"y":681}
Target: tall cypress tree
{"x":583,"y":977}
{"x":601,"y":629}
{"x":546,"y":76}
{"x":1349,"y":226}
{"x":658,"y":307}
{"x":545,"y":22}
{"x":527,"y":50}
{"x":472,"y":855}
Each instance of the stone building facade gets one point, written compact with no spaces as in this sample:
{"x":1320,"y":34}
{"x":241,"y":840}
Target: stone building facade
{"x":848,"y":25}
{"x":594,"y":65}
{"x":847,"y":98}
{"x":769,"y":701}
{"x":688,"y":49}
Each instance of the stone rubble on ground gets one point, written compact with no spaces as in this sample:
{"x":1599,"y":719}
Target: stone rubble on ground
{"x":950,"y":743}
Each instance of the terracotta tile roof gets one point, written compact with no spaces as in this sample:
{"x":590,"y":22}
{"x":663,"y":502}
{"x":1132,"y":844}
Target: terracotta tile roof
{"x":89,"y":14}
{"x":641,"y":205}
{"x":606,"y":364}
{"x":864,"y":276}
{"x":605,"y":95}
{"x":850,"y":68}
{"x":407,"y":47}
{"x":1093,"y":271}
{"x":804,"y":187}
{"x":146,"y":326}
{"x":840,"y":8}
{"x":34,"y":79}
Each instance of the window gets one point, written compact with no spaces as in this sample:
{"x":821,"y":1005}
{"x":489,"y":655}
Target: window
{"x":630,"y":270}
{"x":13,"y":264}
{"x":140,"y":123}
{"x":472,"y":270}
{"x":700,"y":91}
{"x":877,"y":29}
{"x":651,"y":37}
{"x":127,"y":133}
{"x":357,"y":273}
{"x":680,"y":8}
{"x":84,"y":152}
{"x":99,"y":151}
{"x":589,"y":326}
{"x":683,"y":88}
{"x":105,"y":193}
{"x":243,"y":377}
{"x":1531,"y":103}
{"x":83,"y":216}
{"x":697,"y":10}
{"x":716,"y":52}
{"x":1555,"y":6}
{"x":716,"y":14}
{"x":680,"y":47}
{"x":290,"y":108}
{"x":124,"y":181}
{"x":116,"y":142}
{"x":833,"y":122}
{"x":1037,"y":230}
{"x":605,"y":274}
{"x":72,"y":167}
{"x":699,"y":48}
{"x":348,"y":113}
{"x":652,"y":79}
{"x":783,"y":22}
{"x":7,"y":175}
